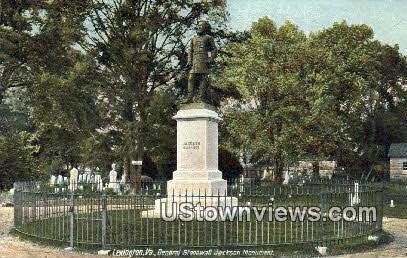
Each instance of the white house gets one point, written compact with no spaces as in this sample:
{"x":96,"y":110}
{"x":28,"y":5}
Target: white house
{"x":398,"y":161}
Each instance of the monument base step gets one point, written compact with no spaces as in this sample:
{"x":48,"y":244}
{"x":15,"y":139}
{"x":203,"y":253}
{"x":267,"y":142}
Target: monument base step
{"x":170,"y":206}
{"x":197,"y":187}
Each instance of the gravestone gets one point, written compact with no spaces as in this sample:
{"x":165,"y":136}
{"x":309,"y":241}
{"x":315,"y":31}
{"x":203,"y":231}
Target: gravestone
{"x":113,"y":178}
{"x":73,"y":179}
{"x":123,"y":179}
{"x":52,"y":180}
{"x":327,"y":168}
{"x":88,"y":175}
{"x":60,"y":180}
{"x":99,"y":183}
{"x":286,"y":178}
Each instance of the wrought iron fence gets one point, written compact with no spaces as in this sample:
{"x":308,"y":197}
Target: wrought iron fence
{"x":118,"y":219}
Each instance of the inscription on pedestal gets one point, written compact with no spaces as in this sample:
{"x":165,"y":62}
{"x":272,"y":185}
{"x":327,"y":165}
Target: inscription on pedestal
{"x":191,"y":145}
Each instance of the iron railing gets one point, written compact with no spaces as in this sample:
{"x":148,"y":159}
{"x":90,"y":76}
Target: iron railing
{"x":119,"y":219}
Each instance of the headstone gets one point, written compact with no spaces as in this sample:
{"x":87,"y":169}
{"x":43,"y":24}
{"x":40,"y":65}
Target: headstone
{"x":123,"y":179}
{"x":84,"y":178}
{"x":93,"y":181}
{"x":305,"y":166}
{"x":99,"y":183}
{"x":52,"y":180}
{"x":88,"y":176}
{"x":286,"y":178}
{"x":73,"y":179}
{"x":326,"y":168}
{"x":60,"y":180}
{"x":113,"y":178}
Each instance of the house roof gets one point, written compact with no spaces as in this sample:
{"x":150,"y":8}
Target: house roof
{"x":398,"y":150}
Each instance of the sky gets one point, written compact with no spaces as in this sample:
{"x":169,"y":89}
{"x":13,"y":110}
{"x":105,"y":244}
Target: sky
{"x":388,"y":18}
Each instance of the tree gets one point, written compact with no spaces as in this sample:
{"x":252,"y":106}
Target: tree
{"x":140,"y":47}
{"x":364,"y":80}
{"x":38,"y":56}
{"x":229,"y":165}
{"x":312,"y":97}
{"x":92,"y":70}
{"x":17,"y":160}
{"x":266,"y":71}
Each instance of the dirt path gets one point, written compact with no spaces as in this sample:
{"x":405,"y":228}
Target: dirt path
{"x":12,"y":247}
{"x":397,"y":248}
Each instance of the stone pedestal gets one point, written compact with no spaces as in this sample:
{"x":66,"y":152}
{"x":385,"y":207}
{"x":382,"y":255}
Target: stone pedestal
{"x":197,"y":153}
{"x":197,"y":177}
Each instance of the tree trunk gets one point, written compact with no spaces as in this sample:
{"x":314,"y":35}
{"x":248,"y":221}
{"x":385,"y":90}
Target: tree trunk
{"x":135,"y":170}
{"x":126,"y":169}
{"x":135,"y":153}
{"x":278,"y":168}
{"x":315,"y":169}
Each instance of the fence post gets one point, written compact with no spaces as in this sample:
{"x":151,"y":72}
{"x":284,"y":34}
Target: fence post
{"x":322,"y":229}
{"x":104,"y":218}
{"x":382,"y":204}
{"x":71,"y":220}
{"x":16,"y":202}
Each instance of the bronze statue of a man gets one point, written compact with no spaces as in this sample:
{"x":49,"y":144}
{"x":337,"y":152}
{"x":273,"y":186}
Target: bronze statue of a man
{"x":201,"y":56}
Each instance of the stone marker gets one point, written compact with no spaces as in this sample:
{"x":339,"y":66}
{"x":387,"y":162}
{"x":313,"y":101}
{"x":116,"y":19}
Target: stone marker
{"x":60,"y":180}
{"x":52,"y":180}
{"x":73,"y":179}
{"x":99,"y":183}
{"x":113,"y":178}
{"x":286,"y":178}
